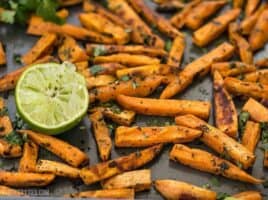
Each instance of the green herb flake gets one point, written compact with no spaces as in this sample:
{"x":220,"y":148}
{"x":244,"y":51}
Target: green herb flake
{"x":8,"y":16}
{"x":99,"y":51}
{"x":215,"y":182}
{"x":3,"y":111}
{"x":125,"y":78}
{"x":265,"y":184}
{"x":264,"y":133}
{"x":222,"y":196}
{"x":135,"y":84}
{"x":168,"y":45}
{"x":128,"y":30}
{"x":17,"y":58}
{"x":242,"y":120}
{"x":14,"y":138}
{"x":206,"y":186}
{"x":95,"y":69}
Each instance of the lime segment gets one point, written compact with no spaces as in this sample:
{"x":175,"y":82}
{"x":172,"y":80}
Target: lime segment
{"x":51,"y":97}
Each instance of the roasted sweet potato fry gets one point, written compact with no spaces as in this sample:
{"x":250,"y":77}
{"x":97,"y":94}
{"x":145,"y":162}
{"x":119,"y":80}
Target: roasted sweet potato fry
{"x":257,"y":111}
{"x":176,"y":52}
{"x":207,"y":162}
{"x":3,"y":60}
{"x":7,"y":191}
{"x":5,"y":122}
{"x":248,"y":195}
{"x":218,"y":141}
{"x":265,"y":161}
{"x":83,"y":68}
{"x":249,"y":22}
{"x":148,"y":106}
{"x":238,"y":3}
{"x":201,"y":65}
{"x":225,"y":112}
{"x":202,"y":12}
{"x":129,"y":49}
{"x":170,"y":6}
{"x":148,"y":136}
{"x":139,"y":180}
{"x":243,"y":47}
{"x":29,"y":157}
{"x":258,"y":36}
{"x":140,"y":32}
{"x":250,"y":89}
{"x":105,"y":68}
{"x":57,"y":168}
{"x":99,"y":23}
{"x":8,"y":150}
{"x":251,"y":7}
{"x":232,"y":68}
{"x":262,"y":63}
{"x":9,"y":81}
{"x":143,"y":71}
{"x":212,"y":30}
{"x":134,"y":87}
{"x":63,"y":13}
{"x":100,"y":80}
{"x":127,"y":59}
{"x":102,"y":135}
{"x":41,"y":48}
{"x":179,"y":19}
{"x":260,"y":76}
{"x":173,"y":190}
{"x":70,"y":51}
{"x":251,"y":135}
{"x":119,"y":165}
{"x":162,"y":24}
{"x":65,"y":151}
{"x":105,"y":194}
{"x":25,"y":179}
{"x":39,"y":27}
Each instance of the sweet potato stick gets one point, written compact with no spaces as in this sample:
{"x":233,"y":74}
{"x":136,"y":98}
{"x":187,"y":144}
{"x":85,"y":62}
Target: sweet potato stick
{"x":248,"y":195}
{"x":262,"y":63}
{"x":249,"y":22}
{"x":98,"y":81}
{"x":207,"y":162}
{"x":70,"y":51}
{"x":29,"y":157}
{"x":176,"y":52}
{"x":41,"y":48}
{"x":201,"y":65}
{"x":257,"y":111}
{"x":258,"y":36}
{"x":127,"y":59}
{"x":251,"y":7}
{"x":238,"y":3}
{"x":140,"y":32}
{"x":179,"y":19}
{"x":202,"y":12}
{"x":139,"y":180}
{"x":212,"y":30}
{"x":121,"y":193}
{"x":25,"y":179}
{"x":57,"y":168}
{"x":251,"y":135}
{"x":265,"y":161}
{"x":158,"y":107}
{"x":9,"y":150}
{"x":105,"y":69}
{"x":154,"y":18}
{"x":237,"y":87}
{"x":5,"y":122}
{"x":218,"y":141}
{"x":232,"y":68}
{"x":146,"y":70}
{"x":225,"y":112}
{"x":148,"y":136}
{"x":171,"y":189}
{"x":83,"y":68}
{"x":3,"y":60}
{"x":130,"y":49}
{"x":7,"y":191}
{"x":102,"y":135}
{"x":243,"y":47}
{"x":133,"y":87}
{"x":119,"y":165}
{"x":9,"y":81}
{"x":39,"y":27}
{"x":65,"y":151}
{"x":170,"y":6}
{"x":260,"y":76}
{"x":99,"y":23}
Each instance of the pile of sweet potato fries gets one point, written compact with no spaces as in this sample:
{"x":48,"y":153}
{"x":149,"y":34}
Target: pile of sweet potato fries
{"x":125,"y":61}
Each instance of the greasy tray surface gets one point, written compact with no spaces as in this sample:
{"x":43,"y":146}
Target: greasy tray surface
{"x":17,"y":42}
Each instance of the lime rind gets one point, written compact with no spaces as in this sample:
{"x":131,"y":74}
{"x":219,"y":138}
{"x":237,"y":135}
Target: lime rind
{"x":51,"y":97}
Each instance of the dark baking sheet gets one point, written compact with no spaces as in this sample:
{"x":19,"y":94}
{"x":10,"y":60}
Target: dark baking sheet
{"x":17,"y":42}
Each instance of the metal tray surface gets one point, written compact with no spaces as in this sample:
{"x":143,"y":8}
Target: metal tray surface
{"x":17,"y":42}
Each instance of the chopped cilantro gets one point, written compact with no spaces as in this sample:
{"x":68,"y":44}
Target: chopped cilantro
{"x":14,"y":138}
{"x":222,"y":196}
{"x":242,"y":120}
{"x":125,"y":78}
{"x":265,"y":184}
{"x":135,"y":84}
{"x":3,"y":111}
{"x":99,"y":51}
{"x":95,"y":69}
{"x":8,"y":16}
{"x":18,"y":123}
{"x":168,"y":45}
{"x":264,"y":134}
{"x":206,"y":186}
{"x":215,"y":182}
{"x":17,"y":58}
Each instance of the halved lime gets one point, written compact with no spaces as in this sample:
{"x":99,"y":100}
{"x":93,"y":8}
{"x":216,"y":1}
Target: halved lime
{"x":51,"y":98}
